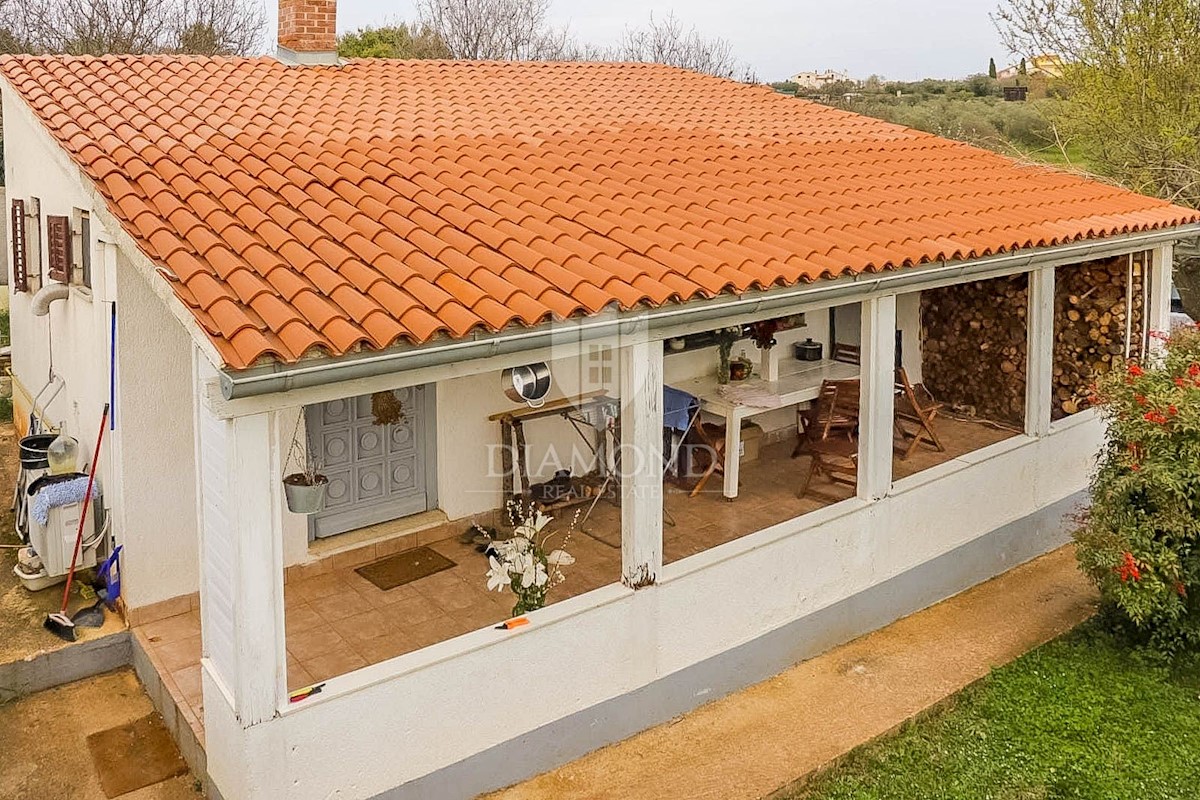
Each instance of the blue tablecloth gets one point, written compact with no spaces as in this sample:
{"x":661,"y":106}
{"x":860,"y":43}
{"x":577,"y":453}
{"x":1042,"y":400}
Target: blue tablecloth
{"x":678,"y":408}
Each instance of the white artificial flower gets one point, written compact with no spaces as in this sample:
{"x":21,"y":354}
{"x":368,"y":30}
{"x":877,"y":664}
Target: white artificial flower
{"x":560,"y":558}
{"x":540,"y":521}
{"x":498,"y":577}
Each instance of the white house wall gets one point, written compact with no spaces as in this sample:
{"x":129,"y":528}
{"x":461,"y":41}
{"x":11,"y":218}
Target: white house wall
{"x":147,"y":469}
{"x":155,"y":402}
{"x":394,"y":722}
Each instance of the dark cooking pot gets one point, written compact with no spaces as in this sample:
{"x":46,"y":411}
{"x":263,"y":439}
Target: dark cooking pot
{"x":528,"y":384}
{"x":33,"y":450}
{"x":808,"y":350}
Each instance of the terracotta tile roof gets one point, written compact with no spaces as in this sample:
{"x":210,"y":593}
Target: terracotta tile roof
{"x":309,"y":210}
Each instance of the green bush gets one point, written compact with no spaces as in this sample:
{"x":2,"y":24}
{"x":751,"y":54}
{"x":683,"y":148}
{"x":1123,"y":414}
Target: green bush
{"x":1140,"y":540}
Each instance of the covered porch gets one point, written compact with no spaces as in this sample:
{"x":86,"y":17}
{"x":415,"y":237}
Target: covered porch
{"x":338,"y":632}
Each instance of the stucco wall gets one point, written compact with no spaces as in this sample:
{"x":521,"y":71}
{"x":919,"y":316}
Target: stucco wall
{"x":393,"y":722}
{"x":158,"y":469}
{"x":146,"y":466}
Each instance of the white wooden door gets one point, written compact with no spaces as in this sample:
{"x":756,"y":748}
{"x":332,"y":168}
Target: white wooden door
{"x":376,"y":472}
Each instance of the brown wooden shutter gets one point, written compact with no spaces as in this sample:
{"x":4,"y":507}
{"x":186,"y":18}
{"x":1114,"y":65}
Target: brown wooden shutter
{"x":58,"y":245}
{"x":20,"y":263}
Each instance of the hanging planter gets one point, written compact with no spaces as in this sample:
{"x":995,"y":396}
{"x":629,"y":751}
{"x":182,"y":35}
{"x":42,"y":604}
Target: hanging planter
{"x":305,"y":490}
{"x":305,"y":494}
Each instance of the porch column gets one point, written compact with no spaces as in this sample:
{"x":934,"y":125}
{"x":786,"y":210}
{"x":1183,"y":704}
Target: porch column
{"x":1039,"y":375}
{"x":641,"y":461}
{"x":241,"y":591}
{"x":1158,"y":314}
{"x":877,"y":397}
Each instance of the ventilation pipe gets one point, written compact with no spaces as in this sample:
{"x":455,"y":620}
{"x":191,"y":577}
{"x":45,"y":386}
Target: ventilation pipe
{"x":47,"y":295}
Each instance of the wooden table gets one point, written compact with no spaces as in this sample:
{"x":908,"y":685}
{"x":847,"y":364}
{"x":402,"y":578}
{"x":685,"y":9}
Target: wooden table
{"x":799,"y":382}
{"x":512,"y":435}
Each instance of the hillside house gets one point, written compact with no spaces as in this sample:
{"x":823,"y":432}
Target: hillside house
{"x":290,"y":244}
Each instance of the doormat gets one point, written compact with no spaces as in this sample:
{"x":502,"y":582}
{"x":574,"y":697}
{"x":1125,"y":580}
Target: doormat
{"x":130,"y":757}
{"x":406,"y":567}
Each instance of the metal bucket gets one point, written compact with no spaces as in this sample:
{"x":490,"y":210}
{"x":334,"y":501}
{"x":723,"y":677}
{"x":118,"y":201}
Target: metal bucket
{"x":33,"y":450}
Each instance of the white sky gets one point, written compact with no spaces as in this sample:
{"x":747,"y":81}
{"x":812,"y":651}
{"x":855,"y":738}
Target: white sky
{"x":899,"y":39}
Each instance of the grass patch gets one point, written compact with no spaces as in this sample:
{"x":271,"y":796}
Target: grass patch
{"x":1081,"y":717}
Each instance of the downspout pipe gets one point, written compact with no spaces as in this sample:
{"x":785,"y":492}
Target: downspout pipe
{"x":40,"y":304}
{"x":317,"y":372}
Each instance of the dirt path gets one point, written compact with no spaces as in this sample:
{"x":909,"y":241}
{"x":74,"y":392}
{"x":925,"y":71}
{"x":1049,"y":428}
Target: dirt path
{"x":43,"y":739}
{"x":750,"y":744}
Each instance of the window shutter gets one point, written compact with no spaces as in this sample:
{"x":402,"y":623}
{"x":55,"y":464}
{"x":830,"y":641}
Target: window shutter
{"x":58,"y":244}
{"x":19,"y":252}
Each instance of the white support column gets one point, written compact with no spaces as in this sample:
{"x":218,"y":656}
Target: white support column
{"x":641,"y":461}
{"x":877,"y":397}
{"x":1039,"y":375}
{"x":241,"y":571}
{"x":1158,"y":315}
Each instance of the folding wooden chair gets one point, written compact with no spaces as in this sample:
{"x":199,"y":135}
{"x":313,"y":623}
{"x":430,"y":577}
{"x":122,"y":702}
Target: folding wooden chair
{"x":829,"y":435}
{"x":846,"y":353}
{"x":712,"y":436}
{"x":914,"y":416}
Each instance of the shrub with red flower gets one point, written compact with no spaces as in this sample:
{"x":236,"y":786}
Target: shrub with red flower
{"x":1140,"y":540}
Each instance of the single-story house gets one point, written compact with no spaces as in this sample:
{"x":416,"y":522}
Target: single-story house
{"x":252,"y":257}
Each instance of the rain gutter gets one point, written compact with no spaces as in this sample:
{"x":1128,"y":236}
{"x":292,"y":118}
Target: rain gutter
{"x":317,"y":372}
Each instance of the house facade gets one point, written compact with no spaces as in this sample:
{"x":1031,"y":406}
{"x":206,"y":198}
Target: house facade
{"x":272,"y":248}
{"x":818,"y":79}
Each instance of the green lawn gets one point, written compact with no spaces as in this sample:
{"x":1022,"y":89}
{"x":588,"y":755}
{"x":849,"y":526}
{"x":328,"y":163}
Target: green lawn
{"x":1077,"y":718}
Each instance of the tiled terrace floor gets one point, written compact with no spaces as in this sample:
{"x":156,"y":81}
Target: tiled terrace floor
{"x":337,"y":621}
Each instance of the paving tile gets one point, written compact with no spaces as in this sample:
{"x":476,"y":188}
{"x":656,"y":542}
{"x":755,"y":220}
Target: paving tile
{"x":314,"y":642}
{"x":179,"y":654}
{"x":334,"y":663}
{"x":628,"y":184}
{"x":171,"y":629}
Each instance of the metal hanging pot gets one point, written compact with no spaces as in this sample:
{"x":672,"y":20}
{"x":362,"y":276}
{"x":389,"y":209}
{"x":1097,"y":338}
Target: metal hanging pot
{"x":528,"y":384}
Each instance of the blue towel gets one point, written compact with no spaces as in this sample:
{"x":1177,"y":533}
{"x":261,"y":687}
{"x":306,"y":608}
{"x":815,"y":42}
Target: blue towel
{"x":678,"y":407}
{"x":55,"y":495}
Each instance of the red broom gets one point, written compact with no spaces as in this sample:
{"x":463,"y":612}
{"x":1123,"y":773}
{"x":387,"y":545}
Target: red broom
{"x":60,"y":624}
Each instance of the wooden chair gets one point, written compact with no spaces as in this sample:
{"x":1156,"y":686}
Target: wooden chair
{"x":915,"y":415}
{"x":846,"y":353}
{"x":829,"y":435}
{"x":712,"y":436}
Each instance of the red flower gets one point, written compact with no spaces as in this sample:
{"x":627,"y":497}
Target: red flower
{"x":1134,"y":467}
{"x":1160,"y":335}
{"x":1180,"y":589}
{"x":1128,"y":568}
{"x":1172,"y":410}
{"x":1194,"y":370}
{"x":1140,"y":399}
{"x":1156,"y":417}
{"x":1136,"y":371}
{"x":1180,"y":382}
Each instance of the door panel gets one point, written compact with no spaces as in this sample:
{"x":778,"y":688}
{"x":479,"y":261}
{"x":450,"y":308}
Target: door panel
{"x":376,"y":473}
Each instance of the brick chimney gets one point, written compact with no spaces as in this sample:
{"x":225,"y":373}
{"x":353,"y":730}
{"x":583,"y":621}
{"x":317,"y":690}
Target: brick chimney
{"x":308,"y":31}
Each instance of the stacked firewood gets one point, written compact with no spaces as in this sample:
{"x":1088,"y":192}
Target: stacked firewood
{"x":1097,"y":325}
{"x":973,"y":340}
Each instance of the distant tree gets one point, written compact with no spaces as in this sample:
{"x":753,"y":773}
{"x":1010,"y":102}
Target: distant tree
{"x":495,"y":29}
{"x":666,"y":41}
{"x":392,"y":41}
{"x":785,"y":87}
{"x":981,"y":85}
{"x":992,"y":68}
{"x":1131,"y":82}
{"x":99,"y":27}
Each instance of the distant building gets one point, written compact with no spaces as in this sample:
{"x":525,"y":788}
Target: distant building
{"x":818,"y":80}
{"x":1049,"y":65}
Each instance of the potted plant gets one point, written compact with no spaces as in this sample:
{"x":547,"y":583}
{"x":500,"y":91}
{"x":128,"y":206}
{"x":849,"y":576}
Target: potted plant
{"x":522,"y":564}
{"x":304,"y":490}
